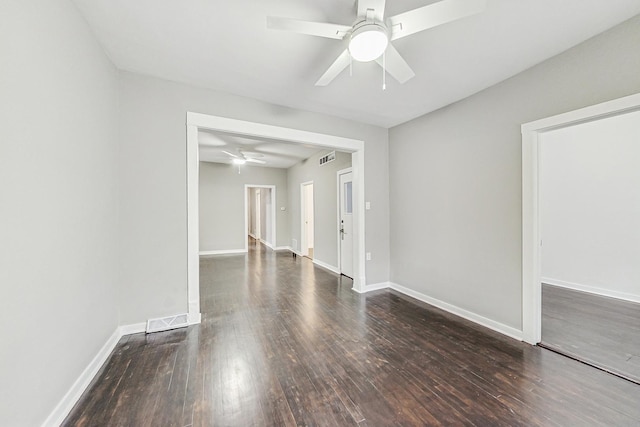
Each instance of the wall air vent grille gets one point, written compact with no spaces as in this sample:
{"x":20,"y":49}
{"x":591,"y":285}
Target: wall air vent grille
{"x":328,"y":158}
{"x":167,"y":323}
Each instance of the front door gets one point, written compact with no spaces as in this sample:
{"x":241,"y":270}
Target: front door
{"x":346,"y":223}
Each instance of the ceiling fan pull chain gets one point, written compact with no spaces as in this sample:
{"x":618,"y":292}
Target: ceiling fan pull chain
{"x":384,"y":71}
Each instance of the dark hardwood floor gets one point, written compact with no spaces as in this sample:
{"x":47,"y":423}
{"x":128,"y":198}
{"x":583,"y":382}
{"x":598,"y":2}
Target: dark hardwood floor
{"x":285,"y":343}
{"x":604,"y":332}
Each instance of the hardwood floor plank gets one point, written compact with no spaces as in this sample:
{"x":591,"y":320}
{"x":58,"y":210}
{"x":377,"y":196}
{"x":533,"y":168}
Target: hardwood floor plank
{"x":285,"y":343}
{"x":601,"y":331}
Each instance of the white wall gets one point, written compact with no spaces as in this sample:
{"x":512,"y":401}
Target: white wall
{"x":58,"y":192}
{"x":590,"y":206}
{"x":325,"y":203}
{"x":153,"y":254}
{"x":222,"y":197}
{"x":455,"y":175}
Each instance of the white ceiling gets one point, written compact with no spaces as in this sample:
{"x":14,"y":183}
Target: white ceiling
{"x":225,"y":45}
{"x":276,"y":154}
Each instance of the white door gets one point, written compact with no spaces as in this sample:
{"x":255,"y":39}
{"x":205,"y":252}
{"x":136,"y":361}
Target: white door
{"x":346,"y":223}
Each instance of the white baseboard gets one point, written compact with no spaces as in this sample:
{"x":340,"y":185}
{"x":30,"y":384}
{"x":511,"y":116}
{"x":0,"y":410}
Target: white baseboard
{"x":66,"y":404}
{"x":374,"y":287}
{"x":135,"y":328}
{"x":465,"y":314}
{"x":327,"y":266}
{"x":282,"y":248}
{"x":253,"y":236}
{"x":72,"y":396}
{"x":591,"y":289}
{"x":223,"y":252}
{"x":195,"y":317}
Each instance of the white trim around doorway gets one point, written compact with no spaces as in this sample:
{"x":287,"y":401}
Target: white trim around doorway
{"x":195,"y":121}
{"x":531,"y":272}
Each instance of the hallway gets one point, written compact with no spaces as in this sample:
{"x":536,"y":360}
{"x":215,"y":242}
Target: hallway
{"x":284,"y":343}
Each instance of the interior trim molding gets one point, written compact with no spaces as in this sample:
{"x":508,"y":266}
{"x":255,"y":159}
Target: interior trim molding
{"x":223,"y":252}
{"x":134,"y":328}
{"x":374,"y":287}
{"x":329,"y":267}
{"x":453,"y":309}
{"x":66,"y":404}
{"x":591,"y":290}
{"x":531,"y":241}
{"x":69,"y":400}
{"x":461,"y":312}
{"x":196,"y":121}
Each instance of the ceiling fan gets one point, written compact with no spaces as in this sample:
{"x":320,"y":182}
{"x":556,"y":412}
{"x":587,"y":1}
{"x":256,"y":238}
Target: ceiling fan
{"x":368,"y":38}
{"x":243,"y":157}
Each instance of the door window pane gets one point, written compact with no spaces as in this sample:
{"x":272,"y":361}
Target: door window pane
{"x":348,"y":201}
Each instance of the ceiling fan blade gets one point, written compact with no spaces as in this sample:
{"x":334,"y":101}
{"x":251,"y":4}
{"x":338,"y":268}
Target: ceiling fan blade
{"x":252,"y":154}
{"x":376,"y":5}
{"x":395,"y":65}
{"x":432,"y":15}
{"x":262,"y":162}
{"x":336,"y":68}
{"x":320,"y":29}
{"x":231,"y":154}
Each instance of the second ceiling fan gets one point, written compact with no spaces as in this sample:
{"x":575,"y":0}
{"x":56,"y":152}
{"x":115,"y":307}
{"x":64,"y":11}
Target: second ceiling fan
{"x":243,"y":157}
{"x":370,"y":36}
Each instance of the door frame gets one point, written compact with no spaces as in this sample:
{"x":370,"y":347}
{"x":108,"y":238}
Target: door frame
{"x":247,"y":188}
{"x":338,"y":173}
{"x":303,"y":211}
{"x":531,"y":252}
{"x":195,"y":121}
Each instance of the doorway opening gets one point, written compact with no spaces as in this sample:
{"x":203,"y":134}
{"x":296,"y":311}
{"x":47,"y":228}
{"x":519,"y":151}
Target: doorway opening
{"x":590,"y":233}
{"x":532,"y":135}
{"x":196,"y":121}
{"x":307,"y":219}
{"x":260,"y":213}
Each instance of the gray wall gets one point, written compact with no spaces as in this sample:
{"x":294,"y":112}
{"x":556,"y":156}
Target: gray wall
{"x":455,"y":175}
{"x":152,"y":160}
{"x":222,"y":204}
{"x":324,"y":200}
{"x":58,"y":146}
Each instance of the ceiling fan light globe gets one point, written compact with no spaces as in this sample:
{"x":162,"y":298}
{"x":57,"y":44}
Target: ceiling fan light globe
{"x":239,"y":161}
{"x":368,"y":42}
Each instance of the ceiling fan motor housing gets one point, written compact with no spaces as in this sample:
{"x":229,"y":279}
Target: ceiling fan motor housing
{"x":369,"y":40}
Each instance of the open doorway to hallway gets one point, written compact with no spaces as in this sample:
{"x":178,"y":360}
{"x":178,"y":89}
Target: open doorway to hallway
{"x":198,"y":123}
{"x":260,"y":214}
{"x":590,"y":242}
